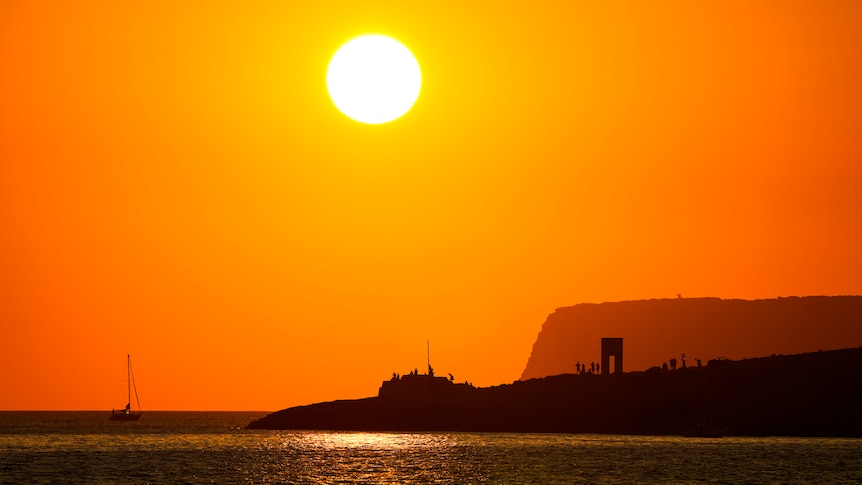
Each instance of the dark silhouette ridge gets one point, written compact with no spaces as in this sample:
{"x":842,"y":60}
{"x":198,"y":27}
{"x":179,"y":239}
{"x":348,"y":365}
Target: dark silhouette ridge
{"x":812,"y":394}
{"x":702,"y":328}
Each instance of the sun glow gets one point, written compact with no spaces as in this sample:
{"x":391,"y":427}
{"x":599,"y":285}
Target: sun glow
{"x":373,"y":79}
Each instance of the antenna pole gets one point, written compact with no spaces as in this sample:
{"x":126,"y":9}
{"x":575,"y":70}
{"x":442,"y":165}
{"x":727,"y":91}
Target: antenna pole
{"x":429,"y":355}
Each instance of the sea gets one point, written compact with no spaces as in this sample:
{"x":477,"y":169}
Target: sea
{"x":214,"y":447}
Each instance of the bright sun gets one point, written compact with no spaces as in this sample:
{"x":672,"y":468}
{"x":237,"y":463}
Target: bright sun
{"x":373,"y":79}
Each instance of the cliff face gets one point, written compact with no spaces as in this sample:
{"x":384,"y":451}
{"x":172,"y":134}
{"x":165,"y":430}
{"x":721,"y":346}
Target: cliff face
{"x":654,"y":331}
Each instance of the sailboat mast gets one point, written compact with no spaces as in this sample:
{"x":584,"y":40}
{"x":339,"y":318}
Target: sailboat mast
{"x":134,"y":387}
{"x":129,"y":377}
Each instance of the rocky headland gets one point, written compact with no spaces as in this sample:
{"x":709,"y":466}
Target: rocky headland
{"x":815,"y":393}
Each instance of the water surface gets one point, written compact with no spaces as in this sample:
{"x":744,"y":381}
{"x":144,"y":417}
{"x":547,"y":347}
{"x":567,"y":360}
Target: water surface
{"x":212,"y":447}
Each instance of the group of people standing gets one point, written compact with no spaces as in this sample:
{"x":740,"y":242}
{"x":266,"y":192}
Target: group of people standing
{"x":673,"y":363}
{"x":593,"y":369}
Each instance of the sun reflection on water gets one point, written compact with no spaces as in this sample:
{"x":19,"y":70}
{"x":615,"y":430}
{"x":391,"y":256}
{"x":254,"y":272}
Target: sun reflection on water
{"x":364,"y":441}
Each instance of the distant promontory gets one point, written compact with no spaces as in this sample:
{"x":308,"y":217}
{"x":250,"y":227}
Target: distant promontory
{"x":703,"y":328}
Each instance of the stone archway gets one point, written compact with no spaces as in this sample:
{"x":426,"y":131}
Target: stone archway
{"x":612,"y":347}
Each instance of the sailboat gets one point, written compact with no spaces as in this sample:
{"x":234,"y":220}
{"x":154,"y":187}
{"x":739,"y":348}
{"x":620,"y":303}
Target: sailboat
{"x":127,"y":414}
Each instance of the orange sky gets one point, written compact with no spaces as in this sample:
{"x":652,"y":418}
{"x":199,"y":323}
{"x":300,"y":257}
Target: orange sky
{"x":176,"y":184}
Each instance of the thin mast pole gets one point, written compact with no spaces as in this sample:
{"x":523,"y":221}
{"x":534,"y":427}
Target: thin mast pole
{"x":134,"y":386}
{"x":429,"y":355}
{"x":129,"y":377}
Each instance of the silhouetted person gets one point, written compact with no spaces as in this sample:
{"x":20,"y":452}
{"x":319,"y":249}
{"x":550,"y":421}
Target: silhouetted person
{"x":578,"y":366}
{"x":394,"y":376}
{"x":683,"y":361}
{"x":416,"y":371}
{"x":430,"y":371}
{"x":592,"y":367}
{"x":664,"y":366}
{"x":698,"y":363}
{"x":673,"y":363}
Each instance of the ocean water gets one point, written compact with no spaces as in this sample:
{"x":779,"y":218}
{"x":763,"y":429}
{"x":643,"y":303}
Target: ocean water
{"x":212,"y":447}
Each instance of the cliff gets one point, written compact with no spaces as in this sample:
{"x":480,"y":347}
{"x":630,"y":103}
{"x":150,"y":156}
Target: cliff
{"x":813,"y":394}
{"x":654,"y":331}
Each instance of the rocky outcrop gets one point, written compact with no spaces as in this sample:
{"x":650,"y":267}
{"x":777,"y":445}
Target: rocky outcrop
{"x":814,"y":394}
{"x":654,"y":331}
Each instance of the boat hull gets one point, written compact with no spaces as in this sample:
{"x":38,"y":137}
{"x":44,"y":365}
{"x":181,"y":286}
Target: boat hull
{"x":124,"y":417}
